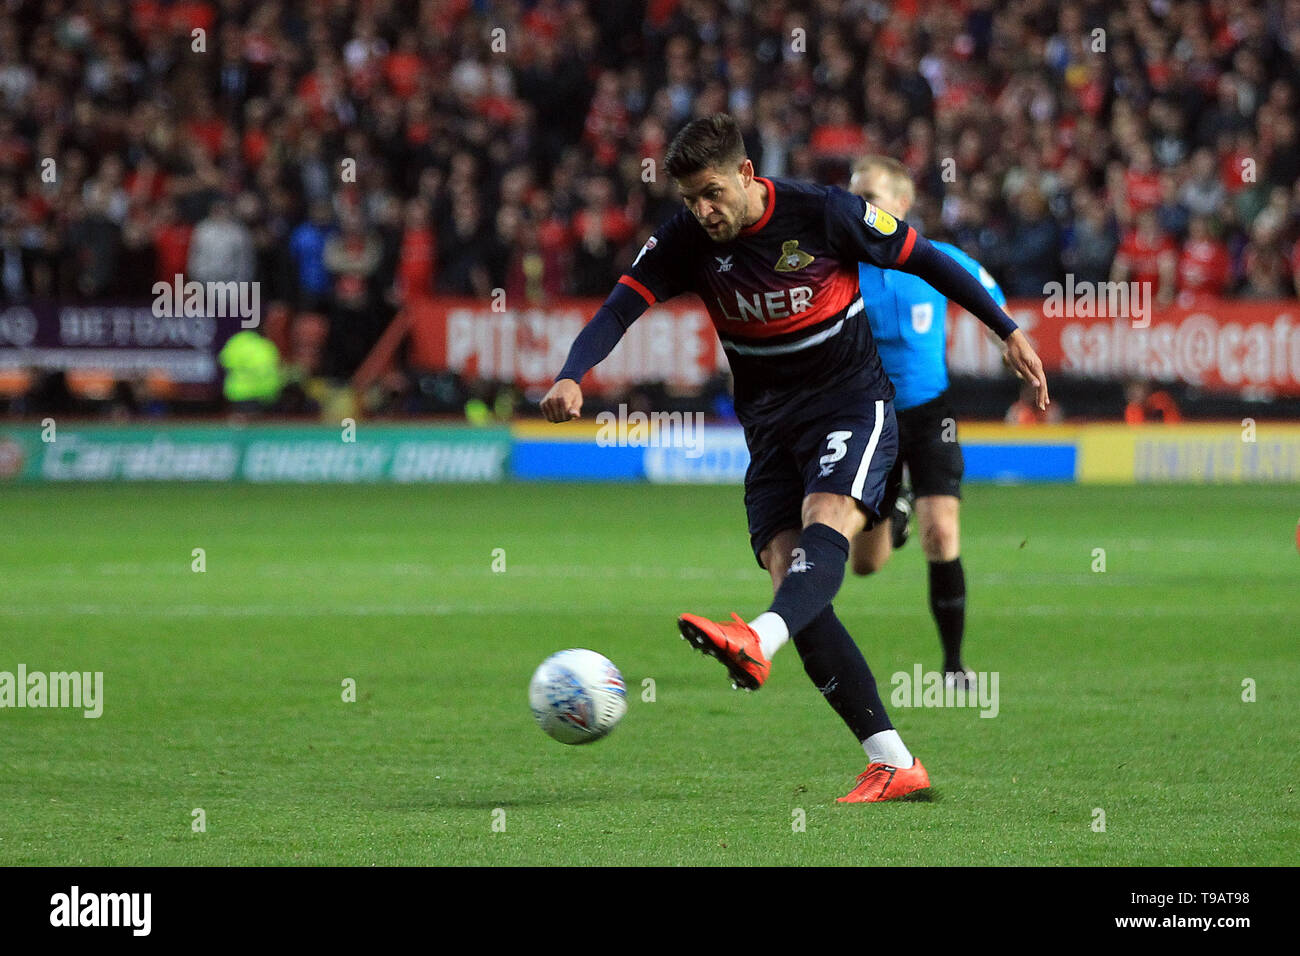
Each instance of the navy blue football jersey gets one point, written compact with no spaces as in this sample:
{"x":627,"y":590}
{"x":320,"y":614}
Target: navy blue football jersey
{"x":784,"y":296}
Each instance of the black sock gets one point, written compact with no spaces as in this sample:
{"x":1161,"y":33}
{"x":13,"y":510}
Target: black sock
{"x":814,"y":577}
{"x":836,"y":665}
{"x":948,"y":605}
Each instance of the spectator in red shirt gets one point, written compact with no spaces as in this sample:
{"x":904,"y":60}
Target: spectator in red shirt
{"x":607,"y":123}
{"x":146,"y":182}
{"x":364,"y":54}
{"x":15,"y":152}
{"x":190,"y":15}
{"x":418,"y":255}
{"x":206,"y":127}
{"x":1147,"y":255}
{"x":1204,"y":267}
{"x":552,"y":232}
{"x":403,"y":67}
{"x":171,"y":243}
{"x":256,"y":141}
{"x":1239,"y":160}
{"x":838,"y":136}
{"x":615,"y":224}
{"x":1142,"y":181}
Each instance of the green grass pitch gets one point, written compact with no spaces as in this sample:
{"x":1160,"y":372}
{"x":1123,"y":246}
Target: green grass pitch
{"x":1120,"y":690}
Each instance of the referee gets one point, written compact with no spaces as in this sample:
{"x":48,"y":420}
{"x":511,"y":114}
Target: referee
{"x":907,"y":320}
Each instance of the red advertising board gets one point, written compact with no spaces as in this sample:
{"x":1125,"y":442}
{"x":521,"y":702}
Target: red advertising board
{"x":1224,"y":345}
{"x":673,"y":343}
{"x":1221,"y":345}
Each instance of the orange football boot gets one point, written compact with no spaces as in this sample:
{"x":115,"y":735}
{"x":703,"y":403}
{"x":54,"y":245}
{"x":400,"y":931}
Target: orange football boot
{"x":735,"y":644}
{"x":880,"y":781}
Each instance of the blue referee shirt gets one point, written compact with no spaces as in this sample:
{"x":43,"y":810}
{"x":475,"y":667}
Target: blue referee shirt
{"x":907,"y":319}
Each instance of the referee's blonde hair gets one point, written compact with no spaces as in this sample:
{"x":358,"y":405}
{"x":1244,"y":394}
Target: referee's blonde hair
{"x":895,"y":170}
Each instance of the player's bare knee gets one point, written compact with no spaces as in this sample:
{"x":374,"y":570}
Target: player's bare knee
{"x":939,"y":541}
{"x":835,"y":511}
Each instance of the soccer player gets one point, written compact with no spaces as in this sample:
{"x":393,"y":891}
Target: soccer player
{"x":907,"y":320}
{"x":776,"y":264}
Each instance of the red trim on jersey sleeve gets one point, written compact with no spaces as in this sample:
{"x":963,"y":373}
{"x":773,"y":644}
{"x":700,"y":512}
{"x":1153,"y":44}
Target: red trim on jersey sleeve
{"x":908,"y":243}
{"x":638,"y":288}
{"x":767,"y":213}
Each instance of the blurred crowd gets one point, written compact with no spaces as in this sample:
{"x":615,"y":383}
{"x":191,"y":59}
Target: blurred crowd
{"x":352,"y":154}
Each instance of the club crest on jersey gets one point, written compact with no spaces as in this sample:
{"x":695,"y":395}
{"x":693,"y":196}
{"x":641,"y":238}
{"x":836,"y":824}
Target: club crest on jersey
{"x":879,"y":220}
{"x":792,"y":257}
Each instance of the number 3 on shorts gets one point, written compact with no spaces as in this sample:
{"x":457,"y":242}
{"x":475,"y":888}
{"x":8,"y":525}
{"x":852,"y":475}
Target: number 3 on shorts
{"x":835,"y":442}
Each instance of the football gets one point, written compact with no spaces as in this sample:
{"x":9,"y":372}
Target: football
{"x":577,"y":696}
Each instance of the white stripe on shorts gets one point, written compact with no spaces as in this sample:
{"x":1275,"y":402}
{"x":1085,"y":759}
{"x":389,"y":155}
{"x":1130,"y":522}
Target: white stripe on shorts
{"x":864,"y":466}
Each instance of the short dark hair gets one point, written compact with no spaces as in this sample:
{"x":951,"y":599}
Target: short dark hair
{"x":713,"y":141}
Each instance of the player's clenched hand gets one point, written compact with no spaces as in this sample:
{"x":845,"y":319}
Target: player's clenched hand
{"x":1024,"y":361}
{"x":563,"y":401}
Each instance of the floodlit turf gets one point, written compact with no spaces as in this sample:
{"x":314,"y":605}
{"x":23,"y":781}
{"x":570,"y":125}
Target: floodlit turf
{"x":1119,"y":691}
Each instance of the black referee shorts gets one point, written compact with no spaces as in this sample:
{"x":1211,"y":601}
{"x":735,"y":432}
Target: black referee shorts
{"x":927,"y":439}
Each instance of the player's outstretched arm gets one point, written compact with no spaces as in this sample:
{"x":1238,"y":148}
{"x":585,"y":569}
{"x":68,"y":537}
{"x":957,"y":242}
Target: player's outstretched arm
{"x":860,"y":232}
{"x":954,"y":282}
{"x":596,"y":340}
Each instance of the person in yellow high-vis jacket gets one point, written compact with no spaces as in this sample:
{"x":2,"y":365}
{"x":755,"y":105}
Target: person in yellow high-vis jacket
{"x":253,"y":377}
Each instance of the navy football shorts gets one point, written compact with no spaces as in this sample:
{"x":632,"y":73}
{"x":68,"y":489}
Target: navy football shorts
{"x":846,"y":452}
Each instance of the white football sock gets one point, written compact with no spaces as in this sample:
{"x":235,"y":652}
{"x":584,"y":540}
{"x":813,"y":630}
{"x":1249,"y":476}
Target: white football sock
{"x":888,"y":747}
{"x":772,"y":632}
